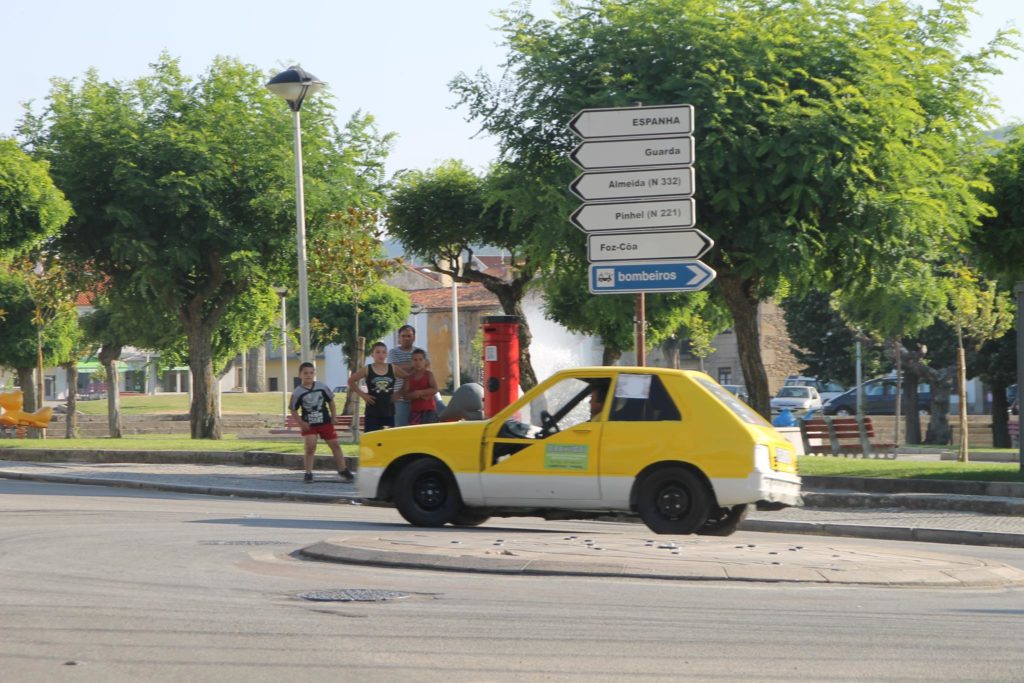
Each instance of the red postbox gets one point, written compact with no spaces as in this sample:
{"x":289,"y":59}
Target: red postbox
{"x":501,"y":362}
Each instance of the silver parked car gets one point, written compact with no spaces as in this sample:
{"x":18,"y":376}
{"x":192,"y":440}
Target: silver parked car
{"x":796,"y":398}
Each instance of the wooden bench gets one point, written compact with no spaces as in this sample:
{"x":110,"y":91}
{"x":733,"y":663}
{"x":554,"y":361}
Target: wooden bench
{"x":843,"y":436}
{"x":1014,"y":429}
{"x":342,"y":423}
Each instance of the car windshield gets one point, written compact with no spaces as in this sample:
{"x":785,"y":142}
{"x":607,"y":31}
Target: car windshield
{"x":741,"y":409}
{"x":794,"y":392}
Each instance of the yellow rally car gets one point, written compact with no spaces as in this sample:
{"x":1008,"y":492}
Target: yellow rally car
{"x":672,"y":446}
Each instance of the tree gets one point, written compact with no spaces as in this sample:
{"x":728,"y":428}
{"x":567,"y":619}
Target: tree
{"x":823,"y":342}
{"x":31,"y":207}
{"x":439,"y":214}
{"x":24,"y":334}
{"x":183,"y":190}
{"x":997,"y":244}
{"x":382,"y":309}
{"x":829,"y":135}
{"x":978,"y":313}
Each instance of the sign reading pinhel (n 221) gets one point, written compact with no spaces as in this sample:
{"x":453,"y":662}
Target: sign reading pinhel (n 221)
{"x":663,"y":214}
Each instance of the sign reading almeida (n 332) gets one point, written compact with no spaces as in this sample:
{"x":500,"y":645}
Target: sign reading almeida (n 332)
{"x":633,"y":184}
{"x":647,"y":246}
{"x":654,"y":276}
{"x":621,"y":122}
{"x":676,"y":150}
{"x":621,"y":216}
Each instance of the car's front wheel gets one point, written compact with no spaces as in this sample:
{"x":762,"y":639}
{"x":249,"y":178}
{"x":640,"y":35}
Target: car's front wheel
{"x":843,"y":412}
{"x":426,"y":493}
{"x":723,"y":521}
{"x":673,"y":501}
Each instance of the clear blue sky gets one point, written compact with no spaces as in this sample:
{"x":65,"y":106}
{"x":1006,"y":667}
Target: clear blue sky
{"x":391,"y":58}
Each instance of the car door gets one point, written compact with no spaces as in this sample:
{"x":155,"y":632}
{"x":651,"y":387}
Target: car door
{"x":547,"y":455}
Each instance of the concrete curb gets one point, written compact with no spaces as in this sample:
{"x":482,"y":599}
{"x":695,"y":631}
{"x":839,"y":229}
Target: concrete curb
{"x":226,"y":491}
{"x":1006,"y":489}
{"x":701,"y":565}
{"x":887,"y":533}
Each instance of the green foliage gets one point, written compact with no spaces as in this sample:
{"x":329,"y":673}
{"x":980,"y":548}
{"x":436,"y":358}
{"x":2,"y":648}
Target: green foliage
{"x":999,"y":240}
{"x":977,"y":310}
{"x":823,"y":342}
{"x":831,"y":137}
{"x":382,"y":309}
{"x":184,"y":189}
{"x":31,"y":207}
{"x":20,"y":322}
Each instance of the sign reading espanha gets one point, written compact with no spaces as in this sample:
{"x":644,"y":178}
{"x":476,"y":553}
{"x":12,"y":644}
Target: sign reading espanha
{"x":633,"y":122}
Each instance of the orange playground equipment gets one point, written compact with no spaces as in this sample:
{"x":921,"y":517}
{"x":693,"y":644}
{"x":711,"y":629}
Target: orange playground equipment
{"x":13,"y":417}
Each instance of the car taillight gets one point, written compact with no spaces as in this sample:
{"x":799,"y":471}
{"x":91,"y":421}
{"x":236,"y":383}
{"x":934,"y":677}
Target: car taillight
{"x":762,"y":458}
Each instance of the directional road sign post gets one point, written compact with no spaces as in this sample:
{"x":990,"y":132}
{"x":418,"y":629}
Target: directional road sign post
{"x":649,"y":276}
{"x":634,"y":184}
{"x":676,"y":150}
{"x":647,"y":246}
{"x":637,"y":210}
{"x":621,"y":122}
{"x":664,"y":214}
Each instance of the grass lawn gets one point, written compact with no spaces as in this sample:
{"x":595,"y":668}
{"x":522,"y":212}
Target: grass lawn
{"x":269,"y":402}
{"x":824,"y":466}
{"x":171,"y":442}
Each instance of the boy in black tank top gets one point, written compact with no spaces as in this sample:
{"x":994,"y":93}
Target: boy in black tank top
{"x":380,"y":386}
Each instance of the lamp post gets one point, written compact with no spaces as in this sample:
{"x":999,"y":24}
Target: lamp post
{"x":293,"y":85}
{"x":283,"y":293}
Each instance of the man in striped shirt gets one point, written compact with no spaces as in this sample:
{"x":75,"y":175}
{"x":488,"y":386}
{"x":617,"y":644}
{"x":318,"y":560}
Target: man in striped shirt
{"x":401,"y":356}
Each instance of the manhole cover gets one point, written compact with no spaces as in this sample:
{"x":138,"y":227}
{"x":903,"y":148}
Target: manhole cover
{"x":352,"y":595}
{"x":244,"y":543}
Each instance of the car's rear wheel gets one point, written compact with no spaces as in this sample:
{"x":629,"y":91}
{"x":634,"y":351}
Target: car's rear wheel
{"x":723,"y":521}
{"x":673,"y":501}
{"x":426,"y":493}
{"x":469,"y":517}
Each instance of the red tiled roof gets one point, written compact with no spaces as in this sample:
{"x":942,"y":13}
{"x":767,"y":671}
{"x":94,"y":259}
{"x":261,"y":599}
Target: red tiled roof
{"x":470,"y":297}
{"x":85,"y":299}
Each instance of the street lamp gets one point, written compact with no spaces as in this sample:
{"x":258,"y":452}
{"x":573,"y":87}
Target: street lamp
{"x":293,"y":85}
{"x":283,"y":293}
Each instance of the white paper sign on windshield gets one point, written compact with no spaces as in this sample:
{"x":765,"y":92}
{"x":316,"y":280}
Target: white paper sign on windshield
{"x":633,"y":386}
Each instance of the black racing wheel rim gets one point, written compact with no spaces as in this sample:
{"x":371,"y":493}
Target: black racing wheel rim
{"x":673,"y":502}
{"x":429,"y":492}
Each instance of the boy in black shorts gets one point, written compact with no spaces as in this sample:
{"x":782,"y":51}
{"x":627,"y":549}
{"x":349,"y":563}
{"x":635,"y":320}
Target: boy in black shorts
{"x":312,"y":405}
{"x":380,"y":387}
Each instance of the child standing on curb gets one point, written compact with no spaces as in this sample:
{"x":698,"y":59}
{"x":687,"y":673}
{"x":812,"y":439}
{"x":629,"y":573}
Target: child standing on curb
{"x":312,"y":405}
{"x":380,"y":387}
{"x":420,"y":388}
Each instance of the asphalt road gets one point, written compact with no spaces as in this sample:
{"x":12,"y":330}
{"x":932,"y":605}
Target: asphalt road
{"x":101,"y":584}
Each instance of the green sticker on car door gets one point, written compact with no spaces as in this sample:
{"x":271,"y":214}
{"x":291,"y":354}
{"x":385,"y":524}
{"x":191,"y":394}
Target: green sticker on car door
{"x":566,"y":457}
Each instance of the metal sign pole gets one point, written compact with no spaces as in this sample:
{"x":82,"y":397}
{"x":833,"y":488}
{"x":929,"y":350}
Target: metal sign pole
{"x":641,"y":324}
{"x":1019,"y":291}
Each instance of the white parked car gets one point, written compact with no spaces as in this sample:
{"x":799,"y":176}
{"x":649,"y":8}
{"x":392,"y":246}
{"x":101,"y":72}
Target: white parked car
{"x":826,"y":390}
{"x":796,"y":398}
